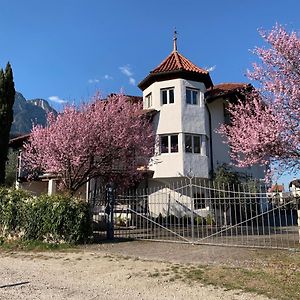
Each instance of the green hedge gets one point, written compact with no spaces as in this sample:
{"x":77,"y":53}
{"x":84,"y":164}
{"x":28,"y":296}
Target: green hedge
{"x":54,"y":219}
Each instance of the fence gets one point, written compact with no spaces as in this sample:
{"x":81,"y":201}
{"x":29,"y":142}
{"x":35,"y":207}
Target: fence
{"x":201,"y":213}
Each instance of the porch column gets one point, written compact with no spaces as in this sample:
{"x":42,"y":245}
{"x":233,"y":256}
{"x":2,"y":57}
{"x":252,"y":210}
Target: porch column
{"x":51,"y":187}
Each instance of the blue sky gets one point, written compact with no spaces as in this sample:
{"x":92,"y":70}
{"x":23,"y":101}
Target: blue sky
{"x":64,"y":50}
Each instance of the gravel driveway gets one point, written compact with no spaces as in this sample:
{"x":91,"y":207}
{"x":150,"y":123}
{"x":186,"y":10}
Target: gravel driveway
{"x":104,"y":272}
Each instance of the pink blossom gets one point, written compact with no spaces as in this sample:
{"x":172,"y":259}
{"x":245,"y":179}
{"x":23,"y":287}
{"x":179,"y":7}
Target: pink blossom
{"x":266,"y":126}
{"x":108,"y":139}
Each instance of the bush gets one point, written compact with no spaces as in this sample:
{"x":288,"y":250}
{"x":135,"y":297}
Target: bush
{"x":56,"y":219}
{"x":13,"y":208}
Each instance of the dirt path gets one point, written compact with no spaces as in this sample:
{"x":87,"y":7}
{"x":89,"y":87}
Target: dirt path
{"x":100,"y":272}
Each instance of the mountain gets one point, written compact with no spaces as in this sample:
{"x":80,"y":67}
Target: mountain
{"x":29,"y":112}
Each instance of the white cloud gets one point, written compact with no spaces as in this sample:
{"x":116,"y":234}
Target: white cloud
{"x":131,"y":81}
{"x":126,"y":70}
{"x":93,"y":80}
{"x":108,"y":77}
{"x":56,"y":99}
{"x":210,"y":69}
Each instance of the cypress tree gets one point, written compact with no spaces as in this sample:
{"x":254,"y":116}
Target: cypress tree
{"x":7,"y":99}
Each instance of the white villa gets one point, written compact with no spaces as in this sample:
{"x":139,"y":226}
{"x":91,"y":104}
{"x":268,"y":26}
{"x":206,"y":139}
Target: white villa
{"x":189,"y":110}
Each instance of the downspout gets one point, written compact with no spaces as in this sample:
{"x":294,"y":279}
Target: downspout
{"x":210,"y":140}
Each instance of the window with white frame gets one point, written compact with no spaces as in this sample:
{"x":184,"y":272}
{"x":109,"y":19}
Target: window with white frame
{"x":169,"y":143}
{"x":192,"y":143}
{"x":192,"y":96}
{"x":148,"y":101}
{"x":167,"y":96}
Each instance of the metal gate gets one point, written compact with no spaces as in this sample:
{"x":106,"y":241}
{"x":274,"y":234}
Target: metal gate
{"x":202,"y":213}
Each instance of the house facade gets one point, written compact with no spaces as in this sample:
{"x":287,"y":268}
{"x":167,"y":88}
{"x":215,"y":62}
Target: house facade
{"x":189,"y":111}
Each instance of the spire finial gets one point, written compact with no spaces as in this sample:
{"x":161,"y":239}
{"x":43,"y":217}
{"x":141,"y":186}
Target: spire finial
{"x":175,"y":40}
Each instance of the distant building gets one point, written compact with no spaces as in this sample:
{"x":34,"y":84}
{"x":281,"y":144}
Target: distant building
{"x":294,"y":187}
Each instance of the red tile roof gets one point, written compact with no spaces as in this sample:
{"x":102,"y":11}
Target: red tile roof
{"x":276,"y":188}
{"x":176,"y":66}
{"x":175,"y":62}
{"x":222,"y":89}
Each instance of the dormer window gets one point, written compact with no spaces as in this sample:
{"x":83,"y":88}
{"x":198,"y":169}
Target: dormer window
{"x":148,"y":101}
{"x":167,"y":96}
{"x":192,"y":96}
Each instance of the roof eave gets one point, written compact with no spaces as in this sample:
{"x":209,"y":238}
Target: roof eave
{"x":223,"y":94}
{"x":153,"y":77}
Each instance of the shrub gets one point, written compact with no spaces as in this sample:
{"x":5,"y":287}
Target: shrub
{"x":58,"y":219}
{"x":46,"y":218}
{"x":13,"y":207}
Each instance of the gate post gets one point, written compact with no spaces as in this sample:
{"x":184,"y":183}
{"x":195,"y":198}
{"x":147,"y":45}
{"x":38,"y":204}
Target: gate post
{"x":192,"y":208}
{"x":110,"y":200}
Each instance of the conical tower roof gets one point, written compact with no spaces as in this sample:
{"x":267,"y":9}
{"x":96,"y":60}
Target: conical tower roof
{"x":177,"y":62}
{"x":176,"y":66}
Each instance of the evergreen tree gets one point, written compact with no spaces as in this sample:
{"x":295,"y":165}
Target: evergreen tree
{"x":7,"y":98}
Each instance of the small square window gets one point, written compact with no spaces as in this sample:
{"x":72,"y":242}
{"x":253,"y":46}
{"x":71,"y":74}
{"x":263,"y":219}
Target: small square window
{"x":167,"y":96}
{"x":169,"y":143}
{"x":194,"y":143}
{"x":191,"y":96}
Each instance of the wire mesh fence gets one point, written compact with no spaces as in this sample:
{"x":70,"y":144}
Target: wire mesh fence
{"x":198,"y":212}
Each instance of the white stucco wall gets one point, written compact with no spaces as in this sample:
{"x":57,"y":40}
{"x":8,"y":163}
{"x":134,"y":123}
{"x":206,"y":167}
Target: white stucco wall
{"x":221,"y":151}
{"x":179,"y":118}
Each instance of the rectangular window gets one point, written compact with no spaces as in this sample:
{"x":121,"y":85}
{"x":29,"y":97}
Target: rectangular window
{"x":148,"y":101}
{"x":191,"y":96}
{"x":193,"y":143}
{"x":167,"y":96}
{"x":169,"y":143}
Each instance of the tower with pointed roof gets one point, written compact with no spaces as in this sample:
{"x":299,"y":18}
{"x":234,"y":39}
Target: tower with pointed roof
{"x":189,"y":110}
{"x":176,"y":89}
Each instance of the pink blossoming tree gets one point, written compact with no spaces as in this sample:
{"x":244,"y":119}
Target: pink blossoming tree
{"x":266,"y":126}
{"x":108,"y":139}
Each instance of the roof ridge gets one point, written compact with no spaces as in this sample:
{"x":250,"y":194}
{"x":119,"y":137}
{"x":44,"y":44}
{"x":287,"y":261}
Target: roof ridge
{"x":177,"y":55}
